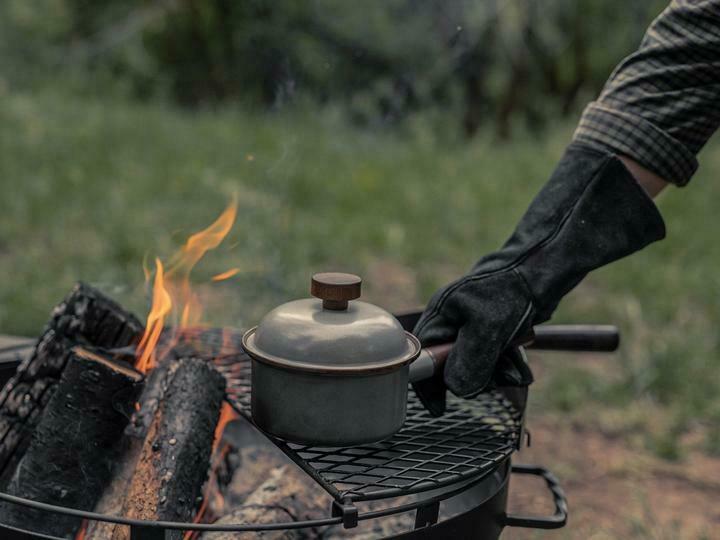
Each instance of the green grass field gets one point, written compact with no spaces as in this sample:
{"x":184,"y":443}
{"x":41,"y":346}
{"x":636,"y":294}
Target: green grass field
{"x":90,"y":187}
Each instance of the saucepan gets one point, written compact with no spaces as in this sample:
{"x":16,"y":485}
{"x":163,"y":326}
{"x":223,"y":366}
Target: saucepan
{"x":334,"y":371}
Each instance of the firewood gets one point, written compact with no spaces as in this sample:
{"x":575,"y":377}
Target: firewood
{"x":286,"y":495}
{"x":175,"y":457}
{"x":70,"y":455}
{"x":131,"y":445}
{"x":85,"y":317}
{"x":130,"y":449}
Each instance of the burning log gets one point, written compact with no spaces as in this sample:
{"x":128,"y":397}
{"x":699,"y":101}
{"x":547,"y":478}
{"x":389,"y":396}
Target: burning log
{"x":175,"y":457}
{"x":113,"y":498}
{"x":84,"y":317}
{"x":70,"y":456}
{"x":129,"y":450}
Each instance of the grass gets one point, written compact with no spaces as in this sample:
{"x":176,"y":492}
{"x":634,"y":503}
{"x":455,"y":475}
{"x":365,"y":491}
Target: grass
{"x":92,"y":186}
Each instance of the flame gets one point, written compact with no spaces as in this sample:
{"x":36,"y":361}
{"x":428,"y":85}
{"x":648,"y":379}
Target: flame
{"x":146,"y":269}
{"x":227,"y":415}
{"x":161,"y":306}
{"x":172,"y":292}
{"x":226,"y":275}
{"x":83,"y":529}
{"x":173,"y":297}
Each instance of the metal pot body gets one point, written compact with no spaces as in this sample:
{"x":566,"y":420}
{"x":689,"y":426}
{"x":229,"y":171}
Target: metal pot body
{"x":328,"y":409}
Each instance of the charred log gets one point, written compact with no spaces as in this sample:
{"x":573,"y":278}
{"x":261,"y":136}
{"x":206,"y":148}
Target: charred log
{"x":175,"y":457}
{"x":85,"y":317}
{"x":130,"y":449}
{"x":70,"y":456}
{"x":156,"y":386}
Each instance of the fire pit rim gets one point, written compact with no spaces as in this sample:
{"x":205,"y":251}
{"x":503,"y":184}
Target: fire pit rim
{"x":230,"y":527}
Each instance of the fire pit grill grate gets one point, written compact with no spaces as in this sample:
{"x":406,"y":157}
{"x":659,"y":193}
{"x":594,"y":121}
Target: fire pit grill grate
{"x":469,"y":441}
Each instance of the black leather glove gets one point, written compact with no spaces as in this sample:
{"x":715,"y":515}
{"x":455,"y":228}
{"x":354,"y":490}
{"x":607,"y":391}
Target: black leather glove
{"x":591,"y":212}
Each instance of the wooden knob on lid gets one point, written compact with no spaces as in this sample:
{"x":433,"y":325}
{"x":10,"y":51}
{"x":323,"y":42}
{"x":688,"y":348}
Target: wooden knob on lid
{"x":335,"y":289}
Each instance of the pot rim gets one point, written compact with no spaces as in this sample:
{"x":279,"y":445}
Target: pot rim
{"x":370,"y":368}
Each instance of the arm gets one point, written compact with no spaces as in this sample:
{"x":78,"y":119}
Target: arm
{"x":655,"y":113}
{"x":648,"y":180}
{"x":662,"y":103}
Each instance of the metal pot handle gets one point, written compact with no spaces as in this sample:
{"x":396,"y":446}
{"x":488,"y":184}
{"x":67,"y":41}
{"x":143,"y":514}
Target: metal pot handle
{"x":558,"y":519}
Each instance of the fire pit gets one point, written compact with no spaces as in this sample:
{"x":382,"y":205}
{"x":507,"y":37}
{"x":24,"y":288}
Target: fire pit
{"x":453,"y":472}
{"x":111,"y":429}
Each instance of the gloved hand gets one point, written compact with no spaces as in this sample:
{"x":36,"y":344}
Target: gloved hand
{"x":591,"y":212}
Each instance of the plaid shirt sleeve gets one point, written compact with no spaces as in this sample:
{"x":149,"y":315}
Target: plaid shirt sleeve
{"x":662,"y":103}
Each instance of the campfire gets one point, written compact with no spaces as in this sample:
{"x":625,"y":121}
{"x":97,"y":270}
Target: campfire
{"x":111,"y":429}
{"x":126,"y":420}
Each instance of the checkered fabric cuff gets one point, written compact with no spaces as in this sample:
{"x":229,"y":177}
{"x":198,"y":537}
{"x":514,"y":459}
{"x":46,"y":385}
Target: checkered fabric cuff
{"x":612,"y":130}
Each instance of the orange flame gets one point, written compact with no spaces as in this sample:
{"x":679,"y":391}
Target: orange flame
{"x":212,"y":490}
{"x":227,"y":415}
{"x":225,"y":275}
{"x":83,"y":529}
{"x":161,"y":306}
{"x":172,"y":292}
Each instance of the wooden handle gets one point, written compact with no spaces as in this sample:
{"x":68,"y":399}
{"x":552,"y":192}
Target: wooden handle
{"x":335,"y":289}
{"x":558,"y":337}
{"x":575,"y":337}
{"x":439,"y":355}
{"x":430,"y":362}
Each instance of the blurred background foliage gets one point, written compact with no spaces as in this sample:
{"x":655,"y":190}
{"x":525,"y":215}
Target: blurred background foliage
{"x":400,"y":139}
{"x":488,"y":62}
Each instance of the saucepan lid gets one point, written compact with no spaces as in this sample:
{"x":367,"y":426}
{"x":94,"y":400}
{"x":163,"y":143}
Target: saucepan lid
{"x":332,"y":333}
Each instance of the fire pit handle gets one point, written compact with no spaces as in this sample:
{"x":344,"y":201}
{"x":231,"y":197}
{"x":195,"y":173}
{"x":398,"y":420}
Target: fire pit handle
{"x":558,"y":519}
